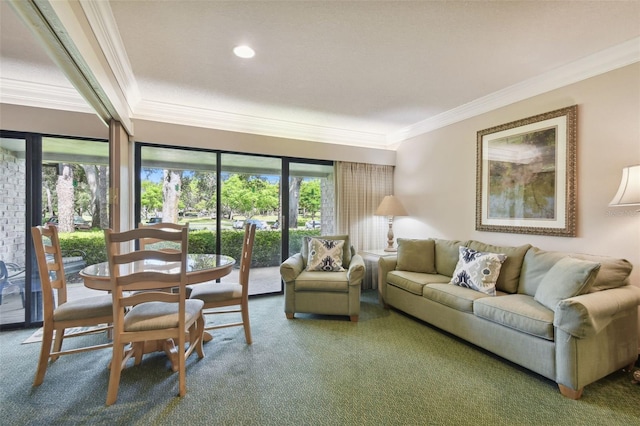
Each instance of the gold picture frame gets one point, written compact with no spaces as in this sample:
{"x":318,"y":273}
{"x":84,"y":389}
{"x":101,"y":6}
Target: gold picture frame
{"x":526,"y":175}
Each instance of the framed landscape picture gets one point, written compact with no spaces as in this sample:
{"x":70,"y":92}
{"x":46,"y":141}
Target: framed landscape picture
{"x":526,"y":175}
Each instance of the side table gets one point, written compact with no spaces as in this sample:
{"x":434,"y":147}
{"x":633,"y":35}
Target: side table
{"x":370,"y":258}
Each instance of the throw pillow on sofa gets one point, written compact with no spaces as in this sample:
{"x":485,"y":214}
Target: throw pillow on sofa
{"x":567,"y":278}
{"x":478,"y":270}
{"x":325,"y":255}
{"x":416,"y":255}
{"x":509,"y":278}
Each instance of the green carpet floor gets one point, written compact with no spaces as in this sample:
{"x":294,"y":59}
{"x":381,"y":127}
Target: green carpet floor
{"x":387,"y":369}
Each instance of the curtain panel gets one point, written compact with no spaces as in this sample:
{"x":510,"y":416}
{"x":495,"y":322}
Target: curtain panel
{"x":360,"y":189}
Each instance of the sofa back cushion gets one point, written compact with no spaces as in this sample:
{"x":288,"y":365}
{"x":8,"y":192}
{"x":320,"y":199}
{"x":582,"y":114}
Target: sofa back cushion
{"x":346,"y":252}
{"x":613,"y":272}
{"x":569,"y":277}
{"x":416,"y":255}
{"x":447,"y":252}
{"x":509,"y":277}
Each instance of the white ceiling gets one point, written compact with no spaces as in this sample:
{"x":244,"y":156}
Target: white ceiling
{"x":366,"y":73}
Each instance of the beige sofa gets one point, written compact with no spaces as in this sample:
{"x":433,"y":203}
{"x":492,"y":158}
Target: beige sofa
{"x":587,"y":330}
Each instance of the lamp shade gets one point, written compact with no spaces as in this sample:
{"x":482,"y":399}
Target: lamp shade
{"x":629,"y":191}
{"x":390,"y":206}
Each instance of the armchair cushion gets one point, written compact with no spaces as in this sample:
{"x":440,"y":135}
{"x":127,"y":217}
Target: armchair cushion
{"x":325,"y":255}
{"x":346,"y":254}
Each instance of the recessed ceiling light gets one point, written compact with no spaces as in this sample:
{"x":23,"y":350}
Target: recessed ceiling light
{"x":244,"y":52}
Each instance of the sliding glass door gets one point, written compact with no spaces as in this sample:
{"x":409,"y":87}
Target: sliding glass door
{"x":250,"y":193}
{"x":13,"y":253}
{"x":55,"y":180}
{"x":310,"y":202}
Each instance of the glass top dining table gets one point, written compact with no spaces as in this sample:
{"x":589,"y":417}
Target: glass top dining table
{"x":200,"y":268}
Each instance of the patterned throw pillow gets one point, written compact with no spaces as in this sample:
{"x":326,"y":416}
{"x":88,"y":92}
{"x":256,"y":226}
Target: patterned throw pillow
{"x":477,"y":270}
{"x":325,"y":255}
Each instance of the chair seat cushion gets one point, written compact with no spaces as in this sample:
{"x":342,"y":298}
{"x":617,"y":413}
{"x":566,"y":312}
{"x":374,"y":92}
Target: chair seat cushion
{"x":322,"y":281}
{"x":89,"y":307}
{"x":160,"y":315}
{"x":216,"y":292}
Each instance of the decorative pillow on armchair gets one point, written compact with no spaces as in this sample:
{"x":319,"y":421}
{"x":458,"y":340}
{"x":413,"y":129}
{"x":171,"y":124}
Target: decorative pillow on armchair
{"x":478,"y":270}
{"x":325,"y":255}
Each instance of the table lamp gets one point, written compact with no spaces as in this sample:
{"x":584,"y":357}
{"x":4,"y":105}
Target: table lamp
{"x":390,"y":206}
{"x":629,"y":191}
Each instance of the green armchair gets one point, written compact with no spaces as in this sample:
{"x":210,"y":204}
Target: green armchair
{"x":320,"y":292}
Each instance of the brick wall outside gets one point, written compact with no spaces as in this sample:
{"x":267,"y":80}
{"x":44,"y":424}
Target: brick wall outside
{"x":12,"y":207}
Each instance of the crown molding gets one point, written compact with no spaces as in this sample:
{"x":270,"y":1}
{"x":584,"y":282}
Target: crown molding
{"x":40,"y":95}
{"x":206,"y":118}
{"x":103,"y":23}
{"x":604,"y":61}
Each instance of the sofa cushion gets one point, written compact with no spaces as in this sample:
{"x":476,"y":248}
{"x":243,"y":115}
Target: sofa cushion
{"x":477,"y":270}
{"x":416,"y":255}
{"x":322,"y":281}
{"x":510,"y":273}
{"x":613,"y":272}
{"x":447,"y":255}
{"x":517,"y":311}
{"x":455,"y":297}
{"x":414,"y":281}
{"x":325,"y":255}
{"x":535,"y":266}
{"x":567,"y":278}
{"x":346,"y":253}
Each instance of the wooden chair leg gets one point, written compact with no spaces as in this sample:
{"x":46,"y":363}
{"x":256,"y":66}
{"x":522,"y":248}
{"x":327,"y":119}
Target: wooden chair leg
{"x":196,"y":337}
{"x":245,"y":323}
{"x":45,"y":351}
{"x":116,"y":370}
{"x":182,"y":371}
{"x":57,"y":344}
{"x":138,"y":352}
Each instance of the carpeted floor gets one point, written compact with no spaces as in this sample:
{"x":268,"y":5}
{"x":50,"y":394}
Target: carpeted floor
{"x":388,"y":369}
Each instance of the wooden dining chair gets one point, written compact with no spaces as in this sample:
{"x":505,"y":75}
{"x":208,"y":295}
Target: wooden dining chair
{"x":221,"y":295}
{"x":153,"y":313}
{"x":162,"y":245}
{"x":154,"y":243}
{"x":94,"y":311}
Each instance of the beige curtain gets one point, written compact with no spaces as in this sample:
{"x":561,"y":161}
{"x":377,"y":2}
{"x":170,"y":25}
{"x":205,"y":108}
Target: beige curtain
{"x":360,"y":188}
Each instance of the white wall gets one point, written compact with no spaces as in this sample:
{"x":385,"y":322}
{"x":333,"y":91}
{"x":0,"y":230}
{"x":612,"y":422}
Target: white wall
{"x":436,"y":172}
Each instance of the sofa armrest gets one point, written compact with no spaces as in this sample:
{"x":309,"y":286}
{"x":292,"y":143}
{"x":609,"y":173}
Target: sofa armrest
{"x":586,"y":315}
{"x":291,"y":268}
{"x":356,"y":270}
{"x":385,"y":265}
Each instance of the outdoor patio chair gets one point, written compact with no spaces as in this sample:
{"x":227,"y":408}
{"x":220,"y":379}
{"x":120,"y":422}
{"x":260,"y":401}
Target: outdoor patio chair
{"x":11,"y":275}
